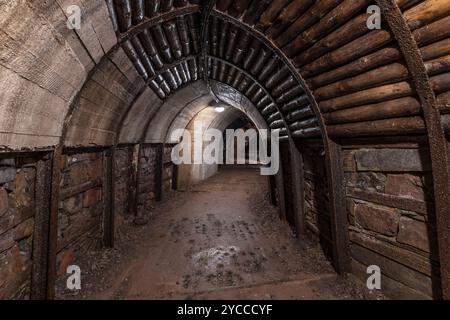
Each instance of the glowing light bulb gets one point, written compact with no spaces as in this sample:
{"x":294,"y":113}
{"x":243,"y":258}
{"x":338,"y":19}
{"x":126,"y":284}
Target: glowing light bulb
{"x":219,"y":109}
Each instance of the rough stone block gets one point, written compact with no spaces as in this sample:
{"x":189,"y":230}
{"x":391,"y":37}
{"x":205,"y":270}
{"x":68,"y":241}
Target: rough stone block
{"x":4,"y":203}
{"x":406,"y":185}
{"x":24,"y":230}
{"x":81,"y":157}
{"x":14,"y":272}
{"x":388,"y":160}
{"x":66,"y":258}
{"x":7,"y":162}
{"x":121,"y":159}
{"x":77,"y":228}
{"x":75,"y":176}
{"x":7,"y":174}
{"x":382,"y":220}
{"x":91,"y":197}
{"x":78,"y":173}
{"x":348,"y":161}
{"x":94,"y":169}
{"x":414,"y":233}
{"x":73,"y":204}
{"x":6,"y":241}
{"x":7,"y":222}
{"x":367,"y":181}
{"x":24,"y":194}
{"x":351,"y":211}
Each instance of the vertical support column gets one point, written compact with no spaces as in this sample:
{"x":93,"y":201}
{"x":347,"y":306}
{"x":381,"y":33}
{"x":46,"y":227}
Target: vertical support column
{"x":272,"y":179}
{"x":279,"y":181}
{"x":136,"y":157}
{"x":108,"y":198}
{"x":53,"y":221}
{"x":339,"y":223}
{"x":206,"y":9}
{"x":175,"y":177}
{"x":41,"y":230}
{"x":159,"y":172}
{"x":138,"y":216}
{"x":130,"y":180}
{"x":272,"y":190}
{"x":299,"y":192}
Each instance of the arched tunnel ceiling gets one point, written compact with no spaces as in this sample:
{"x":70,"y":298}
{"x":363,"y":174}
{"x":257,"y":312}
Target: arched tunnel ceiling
{"x":185,"y":112}
{"x":264,"y":50}
{"x":310,"y":67}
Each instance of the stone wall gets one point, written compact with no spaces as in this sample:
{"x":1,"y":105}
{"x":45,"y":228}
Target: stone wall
{"x":168,"y":173}
{"x":80,"y":214}
{"x":285,"y":158}
{"x":149,"y":162}
{"x":391,"y":218}
{"x":147,"y":179}
{"x":124,"y":166}
{"x":316,"y":205}
{"x":17,"y":215}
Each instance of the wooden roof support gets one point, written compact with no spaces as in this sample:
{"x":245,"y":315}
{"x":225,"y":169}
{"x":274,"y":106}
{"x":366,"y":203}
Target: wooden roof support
{"x":206,"y":13}
{"x":440,"y":160}
{"x":332,"y":150}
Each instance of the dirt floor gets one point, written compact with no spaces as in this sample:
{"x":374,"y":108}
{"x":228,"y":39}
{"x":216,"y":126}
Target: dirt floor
{"x":220,"y":240}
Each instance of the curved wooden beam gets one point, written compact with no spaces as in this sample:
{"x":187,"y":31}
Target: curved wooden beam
{"x":150,"y":22}
{"x":170,"y":66}
{"x":267,"y":93}
{"x":275,"y":50}
{"x":439,"y":155}
{"x":206,"y":14}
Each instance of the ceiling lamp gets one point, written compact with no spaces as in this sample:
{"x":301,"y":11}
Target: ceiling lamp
{"x":219,"y":109}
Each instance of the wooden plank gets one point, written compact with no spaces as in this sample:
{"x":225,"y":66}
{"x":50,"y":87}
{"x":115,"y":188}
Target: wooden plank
{"x":398,"y":254}
{"x":393,"y":289}
{"x":41,"y":231}
{"x":394,"y":270}
{"x":72,"y":191}
{"x":279,"y":182}
{"x":389,"y":200}
{"x":159,"y":172}
{"x":53,"y":221}
{"x":339,"y":223}
{"x":108,"y":196}
{"x":272,"y":190}
{"x":398,"y":160}
{"x":298,"y":186}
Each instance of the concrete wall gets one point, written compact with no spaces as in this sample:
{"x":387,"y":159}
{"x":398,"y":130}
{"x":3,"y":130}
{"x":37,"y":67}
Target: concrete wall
{"x":43,"y":65}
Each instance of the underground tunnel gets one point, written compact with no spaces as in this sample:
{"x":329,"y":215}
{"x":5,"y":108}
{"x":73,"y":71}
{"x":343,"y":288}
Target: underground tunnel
{"x":92,"y":93}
